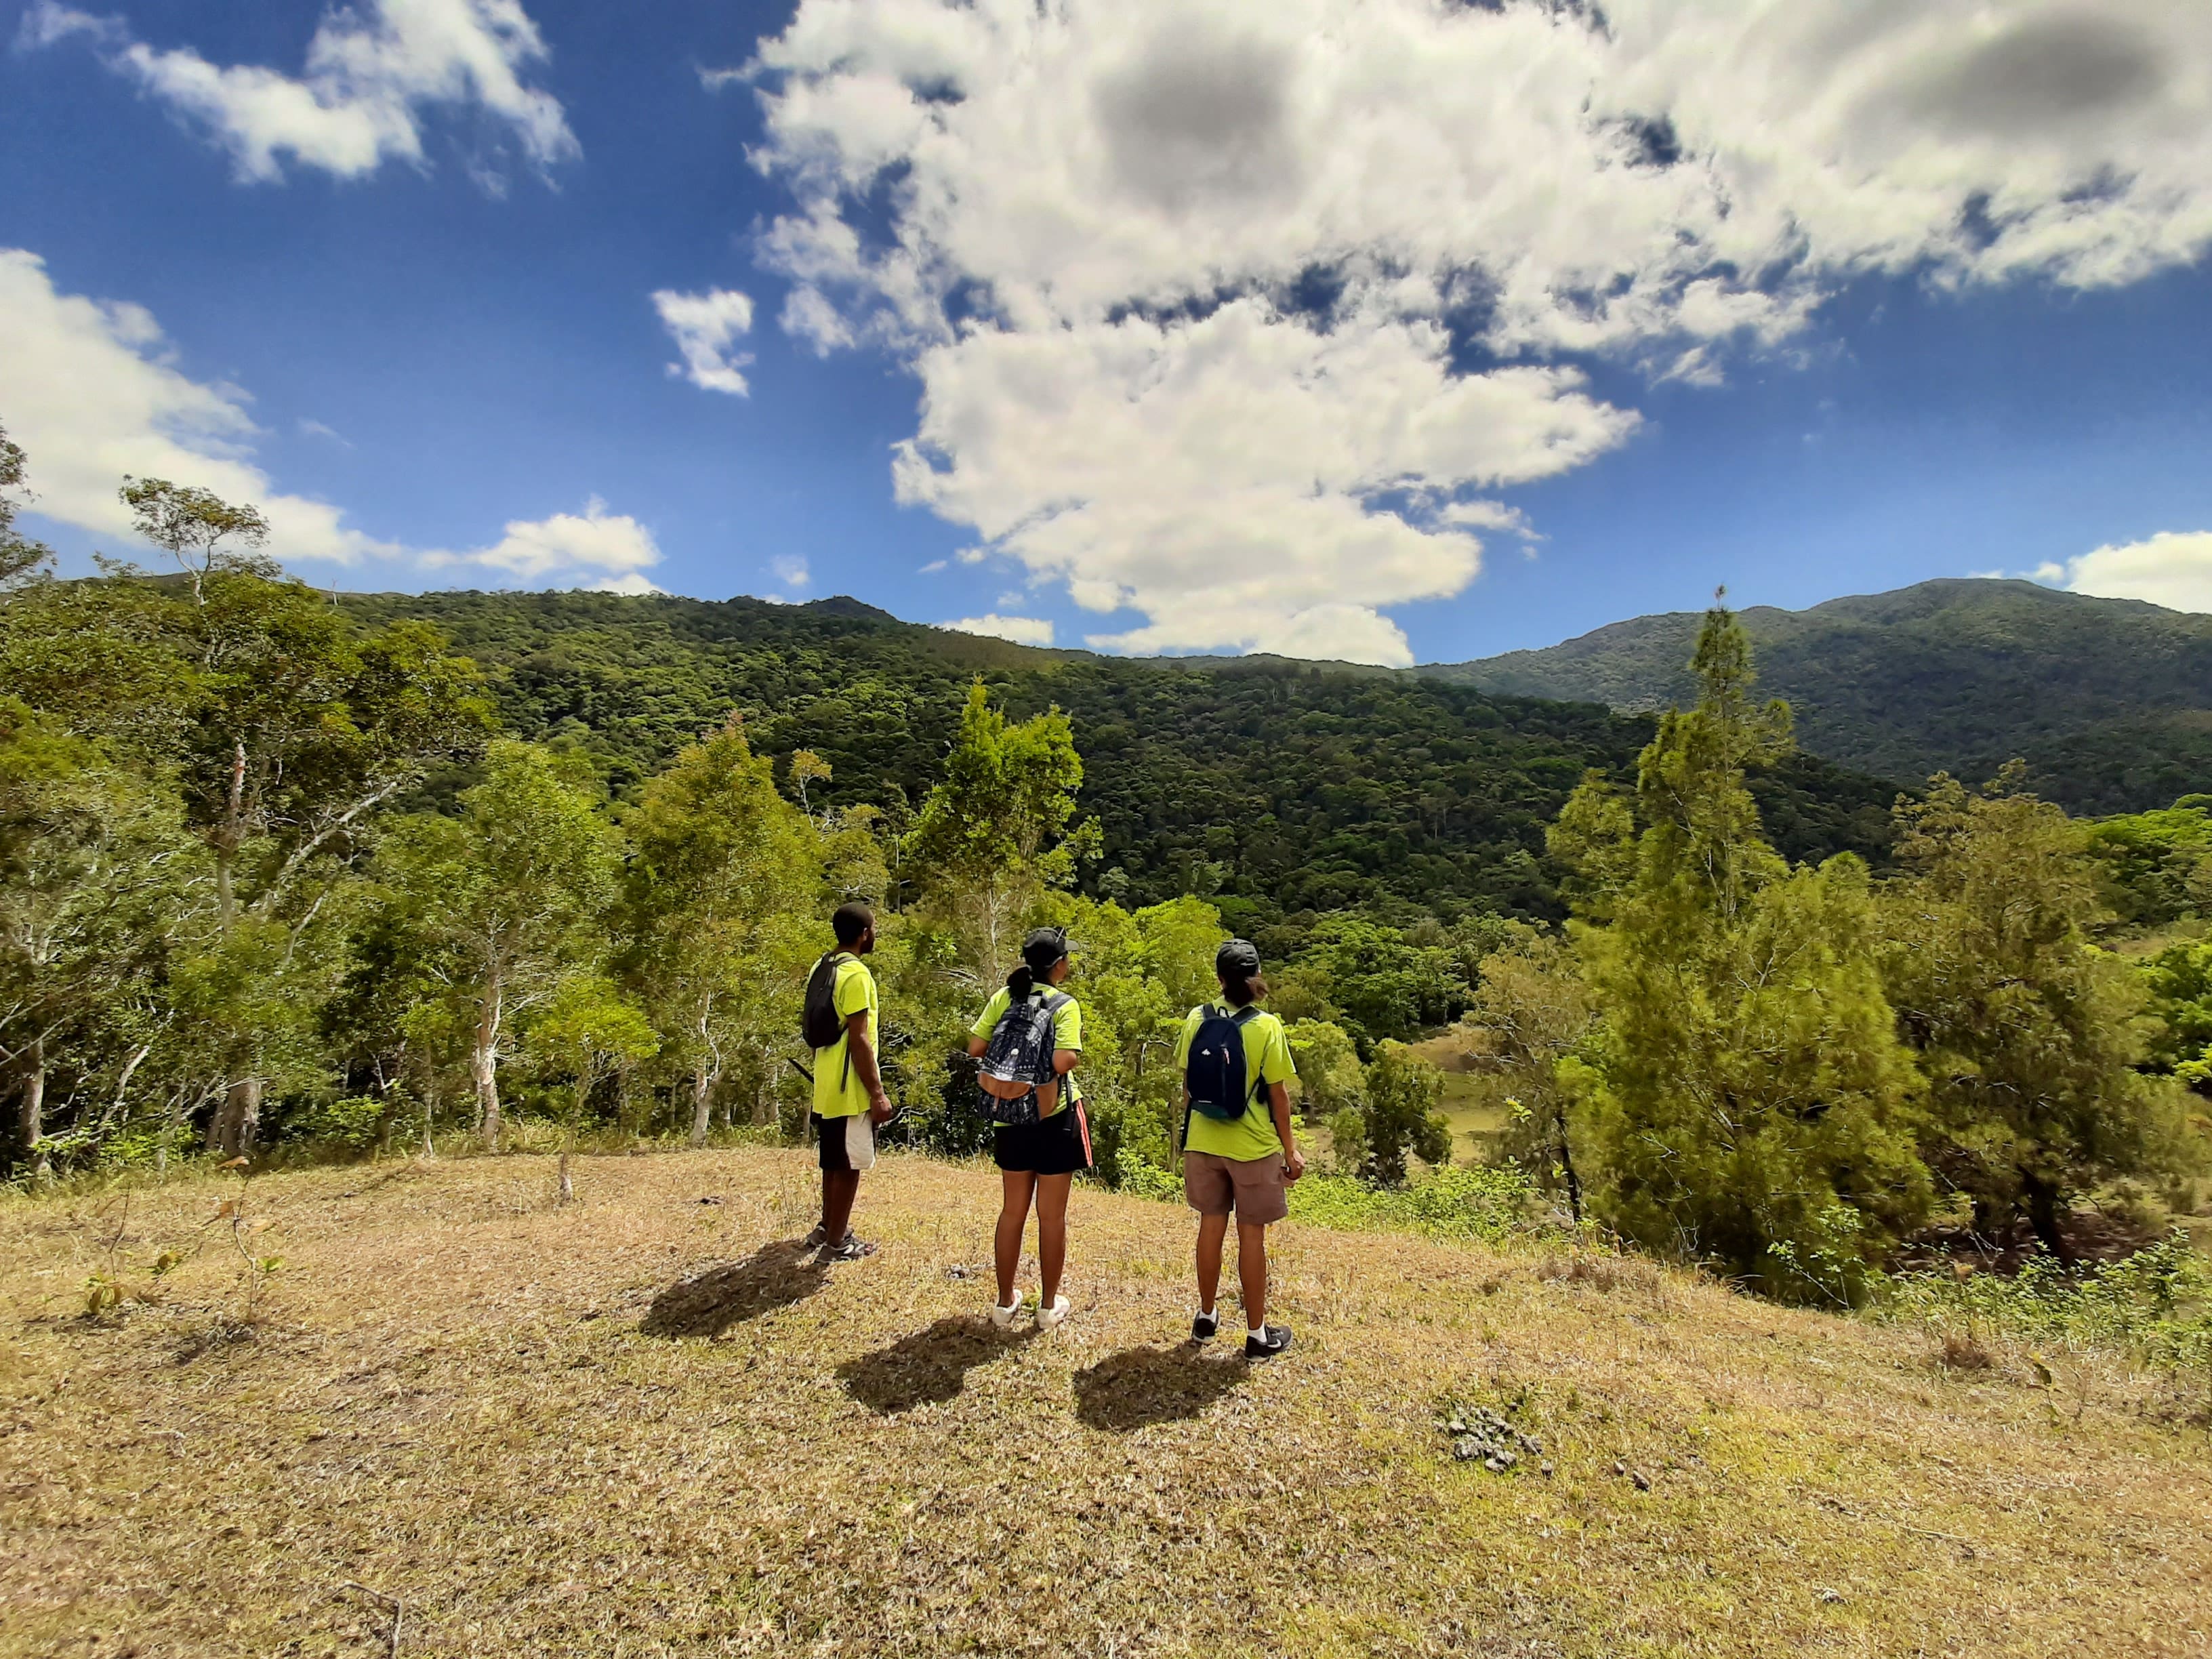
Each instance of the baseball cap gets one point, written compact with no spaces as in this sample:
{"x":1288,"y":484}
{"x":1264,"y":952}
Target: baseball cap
{"x":1044,"y":947}
{"x":1238,"y":959}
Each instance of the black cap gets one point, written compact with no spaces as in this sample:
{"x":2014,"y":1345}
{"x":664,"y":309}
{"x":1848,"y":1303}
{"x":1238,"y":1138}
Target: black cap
{"x":1238,"y":959}
{"x":1043,"y":947}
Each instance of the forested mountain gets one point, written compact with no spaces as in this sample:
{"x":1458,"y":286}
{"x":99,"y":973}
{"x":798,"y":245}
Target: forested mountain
{"x":2109,"y":701}
{"x":1279,"y":787}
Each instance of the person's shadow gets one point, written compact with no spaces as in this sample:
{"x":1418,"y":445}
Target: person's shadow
{"x":929,"y":1367}
{"x":1142,"y":1386}
{"x":706,"y":1304}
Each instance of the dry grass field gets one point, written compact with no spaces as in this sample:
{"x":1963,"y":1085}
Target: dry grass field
{"x":643,"y":1424}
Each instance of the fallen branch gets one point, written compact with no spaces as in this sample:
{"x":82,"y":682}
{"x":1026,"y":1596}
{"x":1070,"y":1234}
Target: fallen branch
{"x":399,"y":1612}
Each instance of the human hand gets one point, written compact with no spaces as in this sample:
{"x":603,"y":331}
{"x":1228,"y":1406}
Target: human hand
{"x":1294,"y":1165}
{"x":879,"y":1109}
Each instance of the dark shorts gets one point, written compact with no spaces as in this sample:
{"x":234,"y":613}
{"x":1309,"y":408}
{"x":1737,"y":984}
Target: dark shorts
{"x":846,"y":1143}
{"x":1059,"y":1146}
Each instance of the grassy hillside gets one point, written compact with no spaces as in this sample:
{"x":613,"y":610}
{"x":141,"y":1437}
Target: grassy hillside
{"x":643,"y":1424}
{"x":2110,"y":700}
{"x":1286,"y":787}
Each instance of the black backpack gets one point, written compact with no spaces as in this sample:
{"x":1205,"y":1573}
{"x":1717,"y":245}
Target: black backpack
{"x":1214,"y":1072}
{"x":1018,"y":1057}
{"x":819,"y":1022}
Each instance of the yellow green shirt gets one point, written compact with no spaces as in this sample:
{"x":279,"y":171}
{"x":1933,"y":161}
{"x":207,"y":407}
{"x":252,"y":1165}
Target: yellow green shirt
{"x":1267,"y":1059}
{"x":838,"y":1091}
{"x":1067,"y":1033}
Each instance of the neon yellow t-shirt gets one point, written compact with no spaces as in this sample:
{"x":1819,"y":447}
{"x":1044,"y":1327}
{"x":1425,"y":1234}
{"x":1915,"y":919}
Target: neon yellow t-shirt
{"x":838,"y":1091}
{"x":1067,"y":1033}
{"x":1267,"y":1059}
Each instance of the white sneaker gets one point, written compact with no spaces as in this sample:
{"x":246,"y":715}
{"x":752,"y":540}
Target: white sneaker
{"x":1004,"y":1317}
{"x":1048,"y":1318}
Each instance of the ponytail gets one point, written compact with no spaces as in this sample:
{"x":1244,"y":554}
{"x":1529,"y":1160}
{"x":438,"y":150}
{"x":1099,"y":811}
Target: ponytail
{"x":1020,"y":982}
{"x":1244,"y":990}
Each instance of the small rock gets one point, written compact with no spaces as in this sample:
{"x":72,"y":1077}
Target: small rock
{"x":959,"y":1271}
{"x":710,"y":1201}
{"x":1833,"y":1598}
{"x":1643,"y":1480}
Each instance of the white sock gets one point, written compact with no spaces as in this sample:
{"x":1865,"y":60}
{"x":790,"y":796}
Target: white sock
{"x":1205,"y":1313}
{"x":1259,"y":1330}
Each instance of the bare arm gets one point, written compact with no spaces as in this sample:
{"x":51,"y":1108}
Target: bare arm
{"x":863,"y":1053}
{"x":976,"y":1046}
{"x":1063,"y":1060}
{"x":1278,"y":1103}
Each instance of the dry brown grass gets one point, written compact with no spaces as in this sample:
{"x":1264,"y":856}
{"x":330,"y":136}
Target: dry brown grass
{"x":640,"y":1425}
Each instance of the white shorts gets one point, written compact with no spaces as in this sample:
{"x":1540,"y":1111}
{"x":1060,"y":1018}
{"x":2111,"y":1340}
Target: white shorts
{"x":848,"y":1143}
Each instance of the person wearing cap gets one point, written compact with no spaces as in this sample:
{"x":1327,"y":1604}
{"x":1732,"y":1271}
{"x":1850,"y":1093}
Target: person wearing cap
{"x":1241,"y":1165}
{"x":1037,"y":1162}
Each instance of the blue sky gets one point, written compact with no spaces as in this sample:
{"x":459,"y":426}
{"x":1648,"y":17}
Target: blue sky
{"x":1958,"y":320}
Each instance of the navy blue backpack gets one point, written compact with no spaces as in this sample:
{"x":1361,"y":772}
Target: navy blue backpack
{"x":1214,"y":1073}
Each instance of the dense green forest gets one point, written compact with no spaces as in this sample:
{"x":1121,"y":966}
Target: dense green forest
{"x":2108,"y":701}
{"x":1280,"y":790}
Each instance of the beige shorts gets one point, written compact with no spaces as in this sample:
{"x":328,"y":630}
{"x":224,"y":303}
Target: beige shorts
{"x":1253,"y":1187}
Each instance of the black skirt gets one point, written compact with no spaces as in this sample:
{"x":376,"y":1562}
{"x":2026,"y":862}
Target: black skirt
{"x":1060,"y":1145}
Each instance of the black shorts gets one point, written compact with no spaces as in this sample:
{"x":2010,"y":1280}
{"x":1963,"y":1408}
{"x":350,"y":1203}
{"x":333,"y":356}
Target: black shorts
{"x":846,"y":1143}
{"x":1060,"y":1145}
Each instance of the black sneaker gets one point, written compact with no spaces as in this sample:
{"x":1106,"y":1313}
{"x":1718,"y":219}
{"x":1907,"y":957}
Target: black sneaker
{"x":1271,"y":1341}
{"x":1204,"y":1327}
{"x":852,"y":1249}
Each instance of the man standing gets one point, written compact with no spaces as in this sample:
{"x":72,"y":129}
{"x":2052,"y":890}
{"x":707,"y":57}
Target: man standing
{"x":849,"y":1102}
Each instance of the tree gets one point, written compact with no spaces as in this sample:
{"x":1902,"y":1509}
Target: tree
{"x":1533,"y":1014}
{"x":1385,"y":985}
{"x":191,"y":525}
{"x":2027,"y":1031}
{"x":725,"y":889}
{"x":1330,"y":1077}
{"x":990,"y":833}
{"x":90,"y":881}
{"x":2157,"y":866}
{"x":1401,"y":1119}
{"x":587,"y":1032}
{"x":21,"y":558}
{"x":507,"y":901}
{"x":1750,"y":1103}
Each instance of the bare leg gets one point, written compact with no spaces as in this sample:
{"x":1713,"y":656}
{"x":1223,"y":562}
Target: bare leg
{"x":1252,"y":1272}
{"x":1052,"y":1232}
{"x":839,"y":1188}
{"x":1015,"y":1187}
{"x":1211,"y":1230}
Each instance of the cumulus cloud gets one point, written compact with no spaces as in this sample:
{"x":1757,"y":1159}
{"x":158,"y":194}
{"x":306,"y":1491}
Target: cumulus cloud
{"x":596,"y":549}
{"x":90,"y":392}
{"x":791,"y":570}
{"x":363,"y":91}
{"x":1229,"y":316}
{"x":1022,"y":630}
{"x":2172,"y":568}
{"x":705,"y":326}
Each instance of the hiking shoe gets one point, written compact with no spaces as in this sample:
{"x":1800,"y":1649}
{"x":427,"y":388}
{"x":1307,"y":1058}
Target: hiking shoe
{"x":1205,"y":1328}
{"x":1266,"y":1342}
{"x":816,"y":1239}
{"x":851,"y":1250}
{"x":1004,"y":1317}
{"x":1050,"y":1318}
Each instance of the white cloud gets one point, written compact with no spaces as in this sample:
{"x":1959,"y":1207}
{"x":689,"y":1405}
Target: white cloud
{"x":791,"y":570}
{"x":316,"y":430}
{"x":596,"y":549}
{"x":1022,"y":630}
{"x":932,"y":567}
{"x":89,"y":389}
{"x":1222,"y":313}
{"x":704,"y":327}
{"x":366,"y":83}
{"x":2172,"y":568}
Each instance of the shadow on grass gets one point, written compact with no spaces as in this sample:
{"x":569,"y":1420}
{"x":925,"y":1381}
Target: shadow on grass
{"x":774,"y":1276}
{"x":928,"y":1367}
{"x":1141,"y":1386}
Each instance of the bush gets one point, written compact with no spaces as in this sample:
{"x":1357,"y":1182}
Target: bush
{"x":1448,"y":1202}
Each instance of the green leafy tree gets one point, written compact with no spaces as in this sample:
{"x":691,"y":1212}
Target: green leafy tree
{"x":588,"y":1033}
{"x":21,"y":558}
{"x":507,"y":902}
{"x":1386,"y":985}
{"x":993,"y":833}
{"x":2157,"y":866}
{"x":1532,"y":1013}
{"x":200,"y":531}
{"x":1330,"y":1077}
{"x":93,"y":878}
{"x":1751,"y":1105}
{"x":1401,"y":1119}
{"x":2027,"y":1031}
{"x":724,"y":902}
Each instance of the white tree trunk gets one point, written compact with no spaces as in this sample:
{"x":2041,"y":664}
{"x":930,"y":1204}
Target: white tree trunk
{"x":702,"y":1104}
{"x":483,"y":1063}
{"x":237,"y":1119}
{"x":32,"y":1119}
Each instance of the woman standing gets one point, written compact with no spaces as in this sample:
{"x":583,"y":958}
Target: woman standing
{"x":1037,"y":1161}
{"x":1239,"y":1154}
